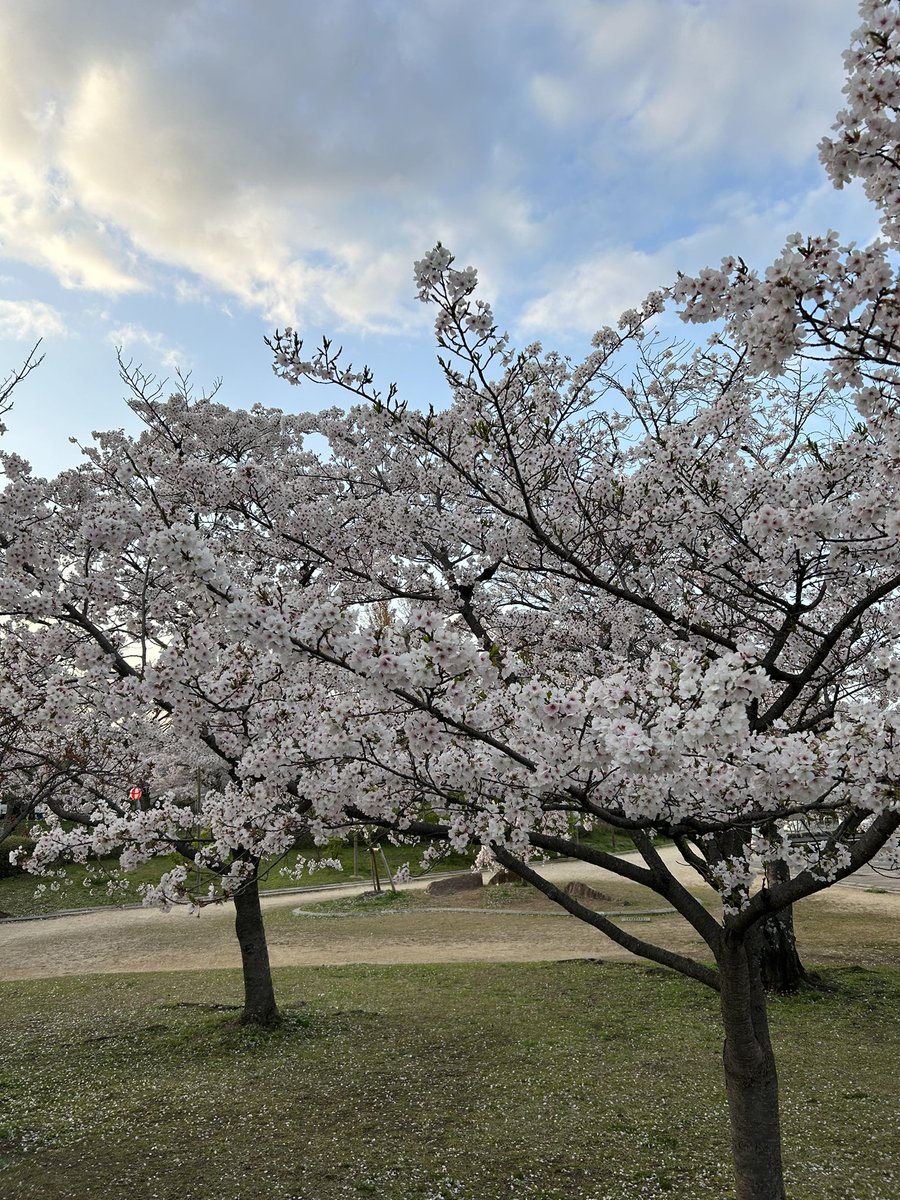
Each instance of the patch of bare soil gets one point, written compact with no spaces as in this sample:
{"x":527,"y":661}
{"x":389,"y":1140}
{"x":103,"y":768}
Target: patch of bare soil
{"x":519,"y":926}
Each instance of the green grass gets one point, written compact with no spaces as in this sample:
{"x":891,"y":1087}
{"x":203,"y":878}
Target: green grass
{"x":552,"y":1081}
{"x":85,"y":886}
{"x":368,"y":903}
{"x":82,"y":886}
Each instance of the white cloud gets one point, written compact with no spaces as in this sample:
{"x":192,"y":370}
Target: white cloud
{"x":298,"y":157}
{"x":190,"y":291}
{"x":595,"y":291}
{"x":132,"y":339}
{"x":286,"y":166}
{"x":553,"y":97}
{"x":690,"y":79}
{"x":28,"y":320}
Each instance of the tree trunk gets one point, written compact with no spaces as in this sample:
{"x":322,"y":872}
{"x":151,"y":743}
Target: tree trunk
{"x":751,"y":1080}
{"x":259,"y":992}
{"x":782,"y":970}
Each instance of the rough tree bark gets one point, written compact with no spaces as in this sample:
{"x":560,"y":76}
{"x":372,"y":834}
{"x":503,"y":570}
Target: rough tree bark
{"x":782,"y":970}
{"x":780,"y":964}
{"x":751,"y":1080}
{"x":259,"y":992}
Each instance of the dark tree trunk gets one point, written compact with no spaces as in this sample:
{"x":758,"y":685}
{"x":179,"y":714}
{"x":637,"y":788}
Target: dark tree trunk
{"x":782,"y":970}
{"x":751,"y":1080}
{"x":259,"y":992}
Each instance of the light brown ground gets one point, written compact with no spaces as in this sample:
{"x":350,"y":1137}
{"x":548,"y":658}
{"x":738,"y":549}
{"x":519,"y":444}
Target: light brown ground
{"x":113,"y":941}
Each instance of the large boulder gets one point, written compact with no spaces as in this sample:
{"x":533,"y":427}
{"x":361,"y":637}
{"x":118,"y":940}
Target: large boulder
{"x":584,"y":893}
{"x":454,"y":885}
{"x":507,"y":877}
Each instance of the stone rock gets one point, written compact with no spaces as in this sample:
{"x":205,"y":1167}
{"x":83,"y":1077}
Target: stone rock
{"x":507,"y":877}
{"x":588,"y":895}
{"x":455,"y":884}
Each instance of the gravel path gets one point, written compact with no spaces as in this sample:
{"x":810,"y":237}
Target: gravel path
{"x":114,"y":940}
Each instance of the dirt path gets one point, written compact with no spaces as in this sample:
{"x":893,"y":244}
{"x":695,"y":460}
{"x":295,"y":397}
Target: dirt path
{"x":113,"y":941}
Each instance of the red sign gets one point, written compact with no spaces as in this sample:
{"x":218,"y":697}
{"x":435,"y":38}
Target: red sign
{"x":135,"y":794}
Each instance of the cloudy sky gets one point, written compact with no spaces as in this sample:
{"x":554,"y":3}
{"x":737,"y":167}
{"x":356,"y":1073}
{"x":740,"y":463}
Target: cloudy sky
{"x":179,"y":177}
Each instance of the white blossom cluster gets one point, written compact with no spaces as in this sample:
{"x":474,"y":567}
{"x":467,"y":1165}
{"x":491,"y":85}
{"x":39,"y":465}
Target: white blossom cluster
{"x":822,"y":296}
{"x":663,"y":595}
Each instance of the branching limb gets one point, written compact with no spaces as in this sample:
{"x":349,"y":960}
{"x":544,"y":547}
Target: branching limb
{"x":774,"y":899}
{"x":666,"y":958}
{"x":665,"y":884}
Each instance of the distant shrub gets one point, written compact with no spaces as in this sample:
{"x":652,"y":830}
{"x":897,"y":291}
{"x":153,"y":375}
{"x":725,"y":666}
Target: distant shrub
{"x":7,"y":847}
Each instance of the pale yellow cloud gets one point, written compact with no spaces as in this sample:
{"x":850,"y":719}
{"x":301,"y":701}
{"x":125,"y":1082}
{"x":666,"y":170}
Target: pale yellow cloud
{"x":299,"y":165}
{"x":28,"y":320}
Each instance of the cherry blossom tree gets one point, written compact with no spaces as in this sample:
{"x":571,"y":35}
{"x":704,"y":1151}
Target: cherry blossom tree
{"x":656,"y":588}
{"x":137,"y":686}
{"x":752,"y":519}
{"x":675,"y":613}
{"x":665,"y":600}
{"x":32,"y":767}
{"x":36,"y":767}
{"x":726,"y":529}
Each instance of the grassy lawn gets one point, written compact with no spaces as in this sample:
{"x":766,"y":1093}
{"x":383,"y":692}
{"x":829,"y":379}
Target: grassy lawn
{"x":552,"y":1081}
{"x":86,"y":886}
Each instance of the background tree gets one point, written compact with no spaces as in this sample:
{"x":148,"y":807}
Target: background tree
{"x":91,"y":580}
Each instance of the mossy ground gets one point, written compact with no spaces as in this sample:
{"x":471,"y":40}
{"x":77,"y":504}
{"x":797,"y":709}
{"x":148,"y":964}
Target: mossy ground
{"x":550,"y":1081}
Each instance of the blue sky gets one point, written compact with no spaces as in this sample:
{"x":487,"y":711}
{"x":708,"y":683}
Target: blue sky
{"x":178,"y":177}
